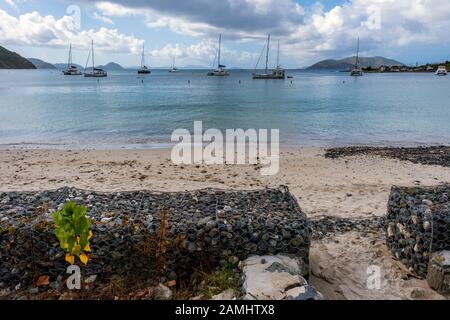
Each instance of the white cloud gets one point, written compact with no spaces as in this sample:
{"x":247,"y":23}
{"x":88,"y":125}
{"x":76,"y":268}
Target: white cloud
{"x":116,"y":10}
{"x":236,"y":19}
{"x":384,"y":26}
{"x":12,"y":4}
{"x":306,"y":31}
{"x":32,"y":29}
{"x":154,"y":19}
{"x":101,"y":18}
{"x":203,"y":52}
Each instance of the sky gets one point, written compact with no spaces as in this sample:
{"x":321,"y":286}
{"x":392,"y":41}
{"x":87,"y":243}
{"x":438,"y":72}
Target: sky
{"x":410,"y":31}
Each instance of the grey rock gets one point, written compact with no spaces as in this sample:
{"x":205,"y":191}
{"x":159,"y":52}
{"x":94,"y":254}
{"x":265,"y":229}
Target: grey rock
{"x":304,"y":293}
{"x":271,"y":280}
{"x":161,"y":292}
{"x":91,"y":279}
{"x":438,"y":276}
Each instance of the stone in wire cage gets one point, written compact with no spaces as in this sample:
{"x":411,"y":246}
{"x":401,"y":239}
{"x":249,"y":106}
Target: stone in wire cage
{"x":210,"y":227}
{"x":418,"y":224}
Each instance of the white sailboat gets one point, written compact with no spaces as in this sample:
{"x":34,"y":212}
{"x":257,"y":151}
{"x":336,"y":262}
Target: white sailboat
{"x":220,"y":71}
{"x":96,"y":72}
{"x":143,"y":69}
{"x":71,"y":70}
{"x":357,"y":71}
{"x":278,"y":73}
{"x":173,"y":70}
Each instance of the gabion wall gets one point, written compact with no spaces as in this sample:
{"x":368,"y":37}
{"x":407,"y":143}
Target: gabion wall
{"x":418,"y":224}
{"x":205,"y":228}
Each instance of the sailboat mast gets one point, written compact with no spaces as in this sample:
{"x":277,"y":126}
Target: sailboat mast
{"x":69,"y":62}
{"x":173,"y":63}
{"x":143,"y":56}
{"x":357,"y":54}
{"x":220,"y":44}
{"x":267,"y":53}
{"x":278,"y":55}
{"x":93,"y":61}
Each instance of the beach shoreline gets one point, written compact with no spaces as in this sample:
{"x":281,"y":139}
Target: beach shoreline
{"x":354,"y":185}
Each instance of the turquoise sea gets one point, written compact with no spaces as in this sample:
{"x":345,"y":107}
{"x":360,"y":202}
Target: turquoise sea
{"x":47,"y":109}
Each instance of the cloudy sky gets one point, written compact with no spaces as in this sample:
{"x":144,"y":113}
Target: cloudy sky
{"x":407,"y":30}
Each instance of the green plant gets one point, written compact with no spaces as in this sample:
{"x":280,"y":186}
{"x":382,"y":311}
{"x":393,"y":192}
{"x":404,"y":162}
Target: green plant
{"x":73,"y":230}
{"x":213,"y":283}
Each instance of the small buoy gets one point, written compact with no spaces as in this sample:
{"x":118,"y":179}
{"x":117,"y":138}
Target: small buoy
{"x":239,"y":81}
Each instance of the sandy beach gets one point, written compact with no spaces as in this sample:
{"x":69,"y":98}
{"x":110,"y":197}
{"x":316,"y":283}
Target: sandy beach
{"x":356,"y":186}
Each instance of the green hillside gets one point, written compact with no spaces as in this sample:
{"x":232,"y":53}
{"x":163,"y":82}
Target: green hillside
{"x":11,"y":60}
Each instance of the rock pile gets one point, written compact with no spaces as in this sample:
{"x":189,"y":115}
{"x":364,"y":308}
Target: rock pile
{"x":438,"y":276}
{"x":434,"y":155}
{"x":207,"y":227}
{"x":276,"y":278}
{"x":321,"y":226}
{"x":418,"y":224}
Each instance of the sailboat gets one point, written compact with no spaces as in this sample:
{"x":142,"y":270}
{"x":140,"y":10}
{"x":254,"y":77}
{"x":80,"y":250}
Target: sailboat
{"x":357,"y":71}
{"x":278,"y":73}
{"x":71,"y":69}
{"x":220,"y":71}
{"x":96,"y":72}
{"x":173,"y":70}
{"x":144,"y":69}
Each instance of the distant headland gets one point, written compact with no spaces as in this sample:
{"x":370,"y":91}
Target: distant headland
{"x":375,"y":65}
{"x":12,"y":60}
{"x":347,"y":64}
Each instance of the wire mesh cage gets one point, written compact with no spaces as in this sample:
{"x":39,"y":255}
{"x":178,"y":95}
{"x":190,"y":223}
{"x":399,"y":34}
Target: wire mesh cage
{"x":144,"y":233}
{"x":418,"y":224}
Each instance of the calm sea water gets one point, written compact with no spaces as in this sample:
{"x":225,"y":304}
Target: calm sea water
{"x":44,"y":108}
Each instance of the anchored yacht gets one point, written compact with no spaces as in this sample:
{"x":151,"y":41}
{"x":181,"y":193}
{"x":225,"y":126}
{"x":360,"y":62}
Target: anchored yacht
{"x":71,"y":70}
{"x":277,"y":73}
{"x":96,"y":72}
{"x":143,"y":69}
{"x":356,"y":71}
{"x":220,"y":71}
{"x":173,"y":70}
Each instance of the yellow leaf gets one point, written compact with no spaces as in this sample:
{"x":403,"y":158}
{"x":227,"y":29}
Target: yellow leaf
{"x":78,"y":239}
{"x":70,"y":258}
{"x":84,"y":258}
{"x":90,"y":234}
{"x":87,"y":248}
{"x":65,"y":245}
